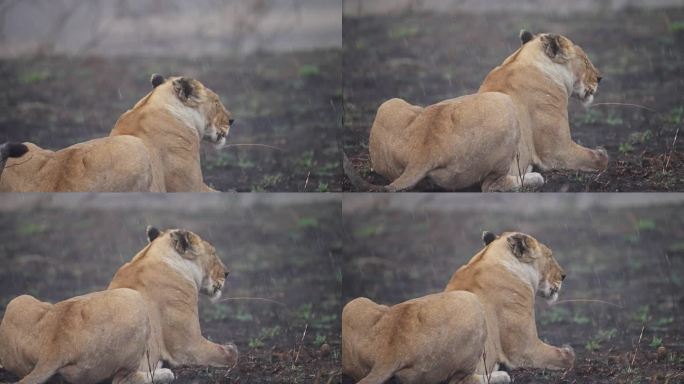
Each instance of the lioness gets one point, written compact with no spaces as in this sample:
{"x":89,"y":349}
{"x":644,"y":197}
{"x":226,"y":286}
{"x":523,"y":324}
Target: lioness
{"x":484,"y":317}
{"x":518,"y":119}
{"x":153,"y":147}
{"x":147,"y":316}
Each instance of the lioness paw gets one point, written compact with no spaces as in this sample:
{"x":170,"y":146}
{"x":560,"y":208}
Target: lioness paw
{"x":163,"y":375}
{"x":568,"y":356}
{"x":499,"y":377}
{"x":533,"y":180}
{"x":231,"y":353}
{"x":602,"y":158}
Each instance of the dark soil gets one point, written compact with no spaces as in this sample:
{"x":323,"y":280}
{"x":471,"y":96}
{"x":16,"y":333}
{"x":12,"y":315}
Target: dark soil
{"x":624,"y":270}
{"x":288,"y":101}
{"x":285,"y":258}
{"x":428,"y":57}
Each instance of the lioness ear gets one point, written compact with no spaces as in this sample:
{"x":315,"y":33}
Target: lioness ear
{"x":152,"y":233}
{"x":157,"y":80}
{"x":519,"y":244}
{"x":183,"y":88}
{"x":488,"y":237}
{"x":182,"y":242}
{"x":553,"y":46}
{"x":525,"y":36}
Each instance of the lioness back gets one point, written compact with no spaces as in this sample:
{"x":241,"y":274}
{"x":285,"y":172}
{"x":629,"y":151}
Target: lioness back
{"x":430,"y":339}
{"x":109,"y":164}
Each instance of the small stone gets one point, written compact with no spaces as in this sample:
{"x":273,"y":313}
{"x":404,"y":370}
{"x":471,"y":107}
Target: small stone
{"x":661,"y":352}
{"x":325,"y":350}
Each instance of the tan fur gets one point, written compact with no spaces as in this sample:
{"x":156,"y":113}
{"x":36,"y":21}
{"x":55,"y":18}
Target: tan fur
{"x":517,"y":120}
{"x":147,"y":315}
{"x":85,"y":339}
{"x":170,"y":280}
{"x":153,"y":147}
{"x":487,"y":309}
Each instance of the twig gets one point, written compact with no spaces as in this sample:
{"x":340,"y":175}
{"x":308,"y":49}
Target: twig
{"x":306,"y":182}
{"x":625,"y":104}
{"x":671,"y":150}
{"x":301,"y":342}
{"x":636,"y":350}
{"x":520,"y":174}
{"x":252,"y":298}
{"x":588,"y":301}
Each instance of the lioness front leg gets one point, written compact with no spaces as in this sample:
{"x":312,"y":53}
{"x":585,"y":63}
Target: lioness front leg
{"x":577,"y":157}
{"x":542,"y":355}
{"x":204,"y":352}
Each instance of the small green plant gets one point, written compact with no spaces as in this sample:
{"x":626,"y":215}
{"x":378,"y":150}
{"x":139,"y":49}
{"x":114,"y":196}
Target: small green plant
{"x":305,"y":160}
{"x":322,"y":187}
{"x":255,"y":343}
{"x":625,"y":148}
{"x":28,"y":229}
{"x":656,"y":342}
{"x":677,"y":26}
{"x":243,"y":315}
{"x":613,"y":120}
{"x":319,"y":340}
{"x":580,"y":319}
{"x":370,"y":230}
{"x":645,"y":225}
{"x":642,"y":314}
{"x":590,"y":117}
{"x":403,"y":32}
{"x":33,"y":76}
{"x":309,"y":70}
{"x":676,"y":115}
{"x":593,"y":345}
{"x":307,"y":222}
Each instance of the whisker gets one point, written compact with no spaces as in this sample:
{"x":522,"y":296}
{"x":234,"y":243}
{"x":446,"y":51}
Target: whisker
{"x":626,"y":104}
{"x":586,"y":301}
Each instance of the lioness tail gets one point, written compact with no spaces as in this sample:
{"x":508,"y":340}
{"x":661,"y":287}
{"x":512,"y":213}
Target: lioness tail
{"x":357,"y":181}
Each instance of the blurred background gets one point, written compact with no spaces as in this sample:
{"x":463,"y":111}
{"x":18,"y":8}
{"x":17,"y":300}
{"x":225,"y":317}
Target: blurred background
{"x":622,"y":303}
{"x":281,"y":300}
{"x":70,"y":68}
{"x":426,"y":51}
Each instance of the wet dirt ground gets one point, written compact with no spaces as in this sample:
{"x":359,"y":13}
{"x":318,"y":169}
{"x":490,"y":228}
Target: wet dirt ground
{"x":287,"y":103}
{"x":284,"y":280}
{"x":425,"y":57}
{"x":622,"y":299}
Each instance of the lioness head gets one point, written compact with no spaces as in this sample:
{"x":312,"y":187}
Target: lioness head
{"x":204,"y":109}
{"x":585,"y":77}
{"x":194,"y":258}
{"x":533,"y":260}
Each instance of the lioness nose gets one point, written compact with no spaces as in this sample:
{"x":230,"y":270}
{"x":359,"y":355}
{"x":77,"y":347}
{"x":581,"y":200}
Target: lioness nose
{"x":231,"y":121}
{"x":598,"y":79}
{"x":563,"y":276}
{"x":225,"y":275}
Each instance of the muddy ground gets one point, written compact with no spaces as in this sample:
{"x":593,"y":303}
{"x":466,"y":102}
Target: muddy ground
{"x":631,"y":260}
{"x":285,"y":258}
{"x":289,"y":102}
{"x":426,"y":57}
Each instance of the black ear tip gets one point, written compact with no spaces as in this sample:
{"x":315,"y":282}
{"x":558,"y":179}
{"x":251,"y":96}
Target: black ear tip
{"x":12,"y":150}
{"x":157,"y":80}
{"x":525,"y":36}
{"x":152,"y":233}
{"x":488,"y":237}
